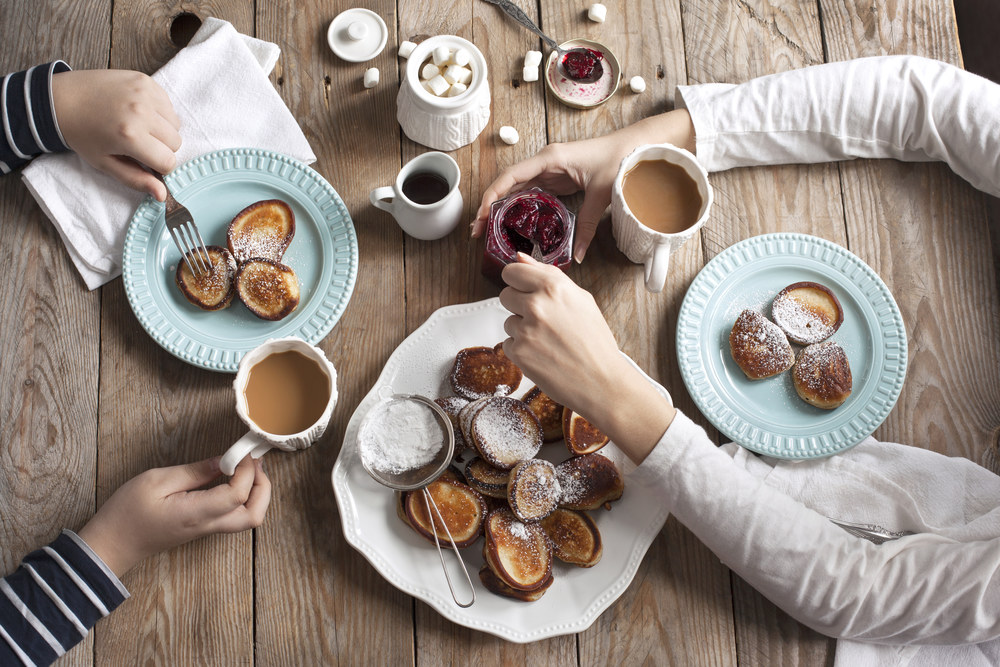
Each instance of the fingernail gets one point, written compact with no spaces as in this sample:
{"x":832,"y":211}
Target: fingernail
{"x":214,"y":463}
{"x":579,"y":254}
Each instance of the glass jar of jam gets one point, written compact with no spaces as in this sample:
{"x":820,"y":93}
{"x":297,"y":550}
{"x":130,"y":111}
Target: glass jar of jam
{"x":533,"y":222}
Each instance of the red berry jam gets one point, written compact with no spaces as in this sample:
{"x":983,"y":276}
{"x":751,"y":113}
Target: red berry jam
{"x":533,"y":222}
{"x":583,"y":65}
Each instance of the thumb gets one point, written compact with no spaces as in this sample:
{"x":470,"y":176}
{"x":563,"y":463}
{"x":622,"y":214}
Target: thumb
{"x":587,"y":220}
{"x":192,"y":476}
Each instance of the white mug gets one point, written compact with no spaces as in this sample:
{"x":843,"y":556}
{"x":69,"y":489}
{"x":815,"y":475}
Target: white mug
{"x":424,"y":221}
{"x":641,"y":244}
{"x":258,"y":441}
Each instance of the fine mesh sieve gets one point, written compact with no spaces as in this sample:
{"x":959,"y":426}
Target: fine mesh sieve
{"x":417,"y":479}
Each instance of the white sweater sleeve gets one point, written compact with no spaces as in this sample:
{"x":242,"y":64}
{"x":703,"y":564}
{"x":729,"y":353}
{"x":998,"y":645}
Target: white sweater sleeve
{"x":923,"y":589}
{"x":904,"y":107}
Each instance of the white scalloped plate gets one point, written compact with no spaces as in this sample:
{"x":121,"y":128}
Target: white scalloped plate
{"x":577,"y":597}
{"x":767,"y":416}
{"x":215,"y":187}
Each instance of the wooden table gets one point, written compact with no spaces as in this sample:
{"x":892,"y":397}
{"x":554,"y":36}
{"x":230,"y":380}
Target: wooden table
{"x":89,"y":400}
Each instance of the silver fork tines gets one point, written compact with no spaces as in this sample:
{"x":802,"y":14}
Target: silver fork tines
{"x":185,"y":234}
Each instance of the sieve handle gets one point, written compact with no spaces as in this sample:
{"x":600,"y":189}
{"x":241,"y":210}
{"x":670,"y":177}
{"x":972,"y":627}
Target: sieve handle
{"x":428,"y":502}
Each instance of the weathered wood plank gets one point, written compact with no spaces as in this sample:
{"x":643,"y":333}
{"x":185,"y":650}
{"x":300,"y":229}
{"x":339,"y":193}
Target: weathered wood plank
{"x":752,"y":39}
{"x":189,"y":605}
{"x":447,"y":271}
{"x":50,"y":333}
{"x":317,"y":600}
{"x":657,"y":611}
{"x":926,"y":233}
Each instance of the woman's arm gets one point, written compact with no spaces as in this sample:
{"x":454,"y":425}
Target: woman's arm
{"x":903,"y":107}
{"x":922,"y":589}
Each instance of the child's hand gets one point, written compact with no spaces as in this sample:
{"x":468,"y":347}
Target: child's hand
{"x":163,"y":507}
{"x":116,"y":118}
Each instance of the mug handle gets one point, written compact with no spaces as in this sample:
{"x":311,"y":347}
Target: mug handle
{"x":383,"y":198}
{"x":656,"y":266}
{"x":251,"y":444}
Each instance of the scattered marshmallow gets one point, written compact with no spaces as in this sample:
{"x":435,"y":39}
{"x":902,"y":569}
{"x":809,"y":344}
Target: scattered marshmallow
{"x":461,"y":57}
{"x":532,"y":58}
{"x":406,"y":48}
{"x":509,"y":135}
{"x":456,"y":90}
{"x":371,"y":77}
{"x":597,"y":12}
{"x":637,"y":84}
{"x":441,"y":55}
{"x":457,"y":74}
{"x":429,"y":71}
{"x":438,"y":85}
{"x":529,"y":73}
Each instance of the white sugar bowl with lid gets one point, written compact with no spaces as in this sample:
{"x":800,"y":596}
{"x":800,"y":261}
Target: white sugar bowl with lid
{"x":442,"y":122}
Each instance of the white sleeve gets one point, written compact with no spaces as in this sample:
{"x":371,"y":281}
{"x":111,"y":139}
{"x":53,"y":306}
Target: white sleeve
{"x":923,"y":589}
{"x":904,"y":107}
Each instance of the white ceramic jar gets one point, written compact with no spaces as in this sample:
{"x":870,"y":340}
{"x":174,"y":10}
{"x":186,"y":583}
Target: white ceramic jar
{"x":443,"y":123}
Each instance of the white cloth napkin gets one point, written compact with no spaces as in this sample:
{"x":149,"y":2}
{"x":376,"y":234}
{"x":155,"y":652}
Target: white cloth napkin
{"x":894,"y":485}
{"x":219,"y":88}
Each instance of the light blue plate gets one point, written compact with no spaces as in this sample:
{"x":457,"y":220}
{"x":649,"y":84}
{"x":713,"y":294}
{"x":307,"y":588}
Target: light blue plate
{"x":767,"y":416}
{"x":215,"y":187}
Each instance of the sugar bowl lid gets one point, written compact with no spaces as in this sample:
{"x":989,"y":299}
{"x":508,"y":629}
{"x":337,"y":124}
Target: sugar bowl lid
{"x":357,"y":35}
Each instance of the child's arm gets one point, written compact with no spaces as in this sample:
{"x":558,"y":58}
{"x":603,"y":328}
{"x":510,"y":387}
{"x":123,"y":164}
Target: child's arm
{"x":115,"y":120}
{"x":60,"y":591}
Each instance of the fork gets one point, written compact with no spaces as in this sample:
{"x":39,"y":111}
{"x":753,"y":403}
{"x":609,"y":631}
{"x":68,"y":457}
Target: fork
{"x":871,"y":532}
{"x":187,"y":238}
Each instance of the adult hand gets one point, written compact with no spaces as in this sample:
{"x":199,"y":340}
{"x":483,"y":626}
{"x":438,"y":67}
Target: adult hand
{"x":117,"y":120}
{"x":560,"y":339}
{"x":590,"y":165}
{"x":165,"y":507}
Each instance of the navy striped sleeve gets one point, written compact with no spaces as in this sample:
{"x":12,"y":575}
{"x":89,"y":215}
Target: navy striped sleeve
{"x":53,"y":599}
{"x":29,"y":118}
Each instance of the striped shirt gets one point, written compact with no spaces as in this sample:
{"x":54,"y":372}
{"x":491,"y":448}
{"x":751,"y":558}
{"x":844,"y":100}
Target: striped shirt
{"x":29,"y":117}
{"x":53,"y":599}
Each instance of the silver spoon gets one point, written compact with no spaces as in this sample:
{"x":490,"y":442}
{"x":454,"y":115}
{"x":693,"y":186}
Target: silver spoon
{"x":518,"y":15}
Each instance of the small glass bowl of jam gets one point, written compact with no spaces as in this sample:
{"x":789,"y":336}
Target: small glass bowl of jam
{"x":532,"y":221}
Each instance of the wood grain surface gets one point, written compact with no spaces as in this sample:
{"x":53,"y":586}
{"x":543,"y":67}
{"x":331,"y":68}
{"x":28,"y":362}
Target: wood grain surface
{"x":87,"y":399}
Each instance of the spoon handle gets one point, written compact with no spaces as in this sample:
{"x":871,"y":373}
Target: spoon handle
{"x":518,"y":15}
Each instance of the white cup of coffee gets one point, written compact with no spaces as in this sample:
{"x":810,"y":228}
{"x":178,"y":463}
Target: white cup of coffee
{"x":286,"y":390}
{"x":425,"y":199}
{"x":661,"y":198}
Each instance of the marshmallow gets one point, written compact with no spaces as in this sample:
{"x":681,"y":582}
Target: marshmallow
{"x":461,"y":57}
{"x":406,"y":48}
{"x":637,"y":84}
{"x":509,"y":135}
{"x":457,"y":74}
{"x":371,"y":77}
{"x":438,"y":85}
{"x":429,"y":71}
{"x":597,"y":12}
{"x":441,"y":55}
{"x":456,"y":90}
{"x":529,"y":73}
{"x":532,"y":58}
